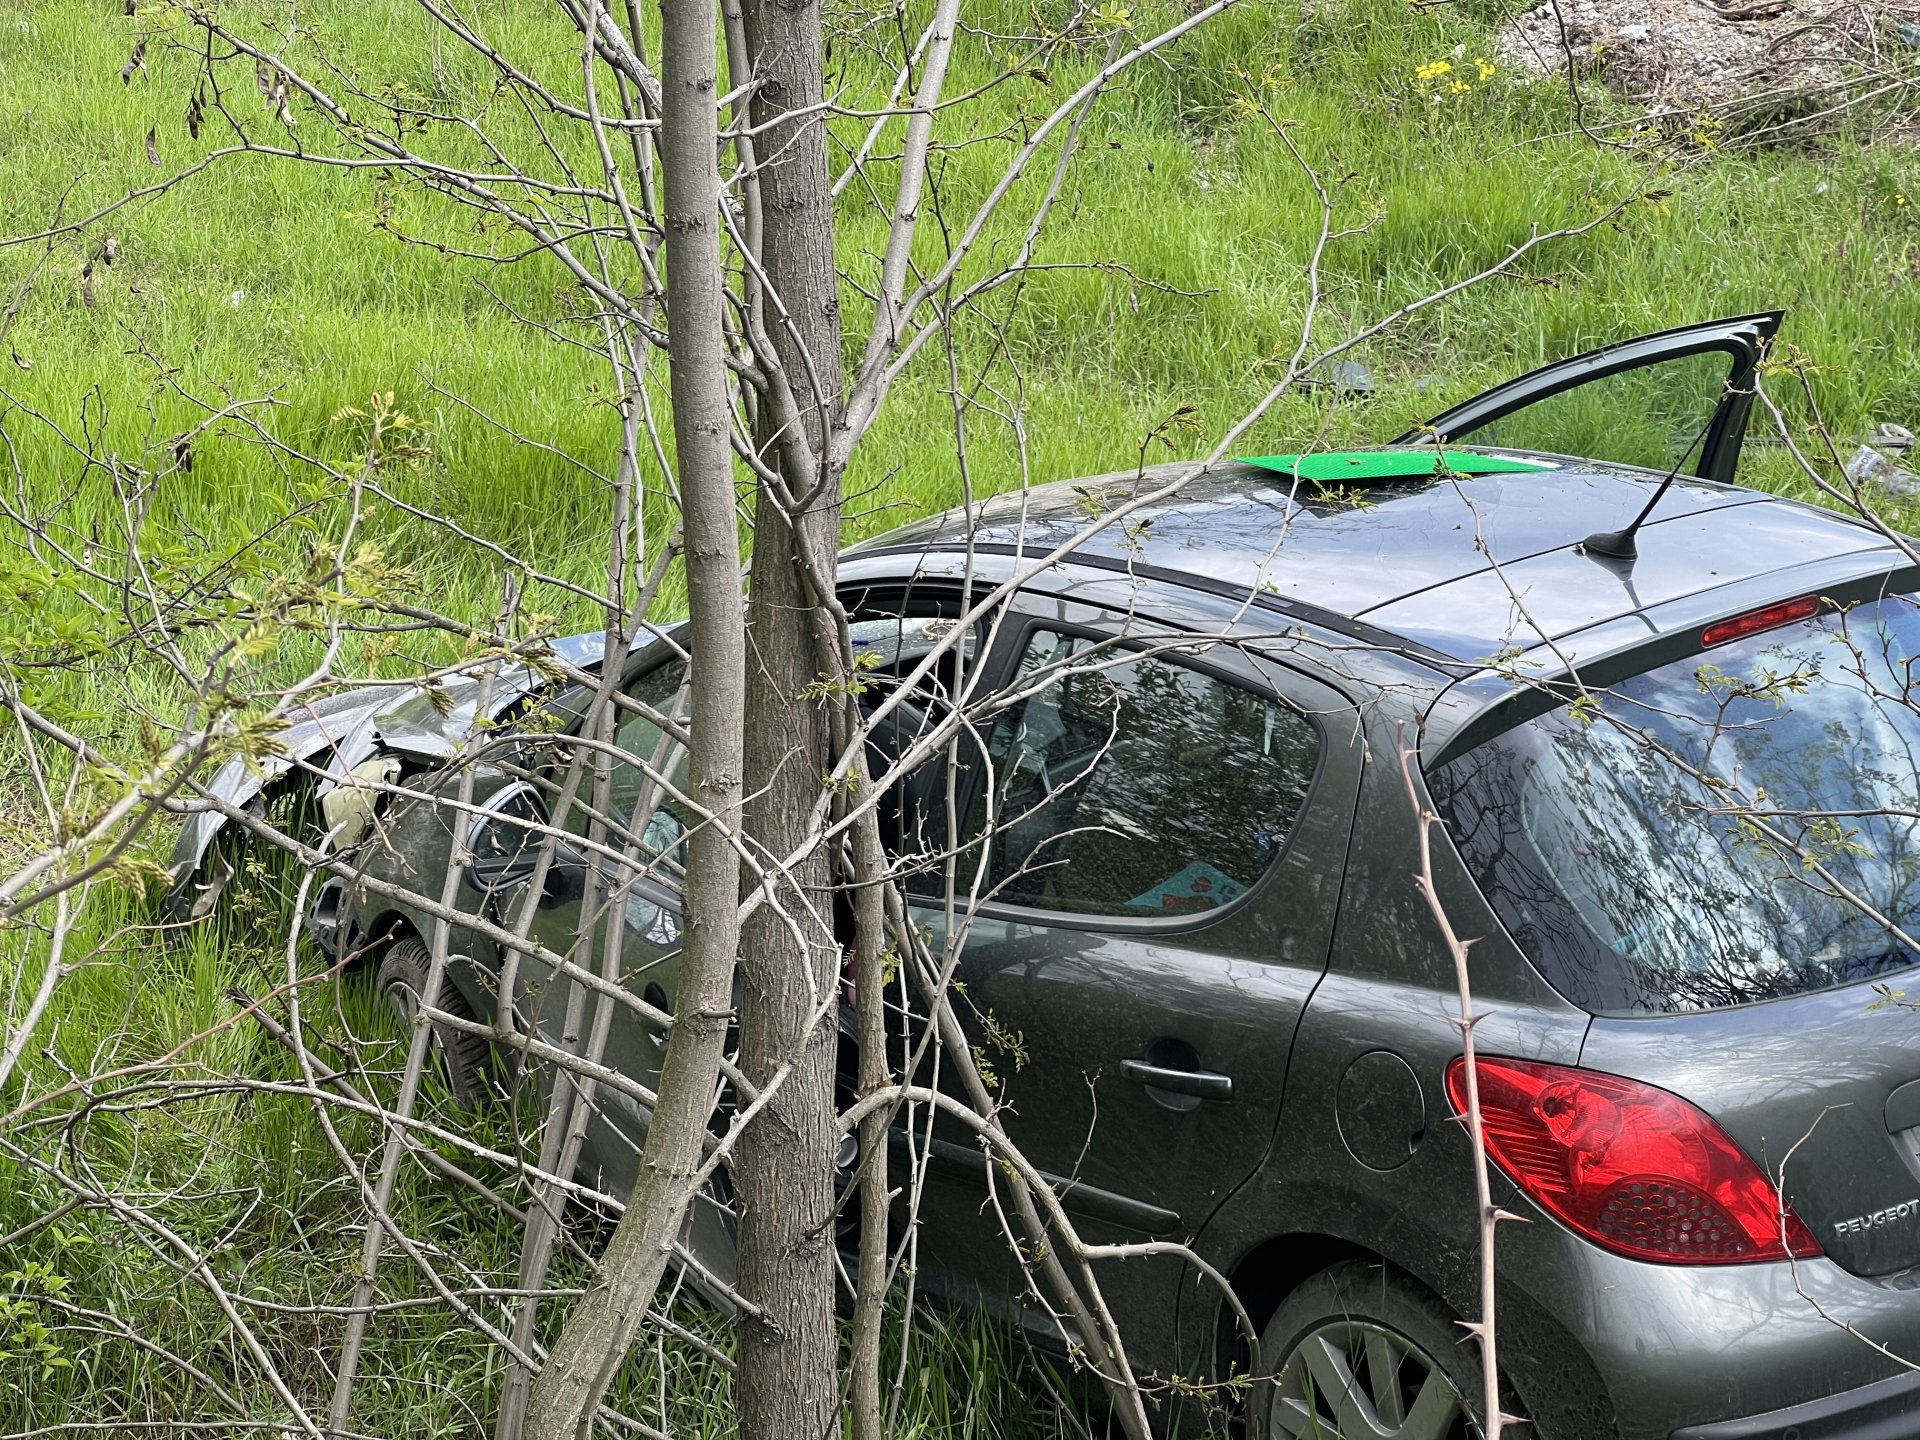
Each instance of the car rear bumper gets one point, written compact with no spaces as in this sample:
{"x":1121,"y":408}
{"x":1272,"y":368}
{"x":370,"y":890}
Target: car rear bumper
{"x":1771,"y":1351}
{"x":1886,"y":1410}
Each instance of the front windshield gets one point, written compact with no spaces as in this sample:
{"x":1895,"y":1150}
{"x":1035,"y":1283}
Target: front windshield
{"x":649,"y":757}
{"x":1736,"y":826}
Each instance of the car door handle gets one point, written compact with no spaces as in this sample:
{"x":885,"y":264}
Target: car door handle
{"x":1202,"y":1084}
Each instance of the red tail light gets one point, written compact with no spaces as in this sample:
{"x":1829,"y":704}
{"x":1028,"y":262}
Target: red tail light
{"x":1635,"y":1170}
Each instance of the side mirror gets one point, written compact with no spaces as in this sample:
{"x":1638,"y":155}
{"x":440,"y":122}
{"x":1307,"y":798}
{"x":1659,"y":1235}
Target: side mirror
{"x":566,"y":876}
{"x":506,"y":842}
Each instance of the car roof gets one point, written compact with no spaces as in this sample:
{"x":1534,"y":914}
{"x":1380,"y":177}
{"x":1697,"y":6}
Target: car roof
{"x":1456,"y":569}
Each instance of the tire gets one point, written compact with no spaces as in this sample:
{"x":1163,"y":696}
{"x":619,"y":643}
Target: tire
{"x":1323,"y":1378}
{"x":461,"y":1056}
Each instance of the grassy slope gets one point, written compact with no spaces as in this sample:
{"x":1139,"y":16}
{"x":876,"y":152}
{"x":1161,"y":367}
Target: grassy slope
{"x":256,"y":277}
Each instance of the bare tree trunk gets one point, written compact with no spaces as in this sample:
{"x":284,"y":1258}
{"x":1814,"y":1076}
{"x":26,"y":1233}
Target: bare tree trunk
{"x":870,"y":980}
{"x":787,"y":1386}
{"x":602,"y":1326}
{"x":784,"y":1167}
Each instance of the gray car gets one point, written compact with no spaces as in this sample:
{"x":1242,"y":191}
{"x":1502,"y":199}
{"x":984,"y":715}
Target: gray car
{"x":1668,"y":724}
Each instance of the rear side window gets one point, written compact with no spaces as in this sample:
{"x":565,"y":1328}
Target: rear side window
{"x":1135,"y":786}
{"x":1733,"y":827}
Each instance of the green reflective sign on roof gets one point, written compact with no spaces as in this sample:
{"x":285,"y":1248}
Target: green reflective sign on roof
{"x":1334,"y":466}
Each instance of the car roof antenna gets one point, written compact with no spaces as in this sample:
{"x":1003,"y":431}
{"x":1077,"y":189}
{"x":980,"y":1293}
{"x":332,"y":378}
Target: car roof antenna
{"x":1619,"y":544}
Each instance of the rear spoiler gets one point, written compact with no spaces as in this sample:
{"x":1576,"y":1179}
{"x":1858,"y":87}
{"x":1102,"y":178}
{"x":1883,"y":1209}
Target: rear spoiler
{"x":1553,"y":673}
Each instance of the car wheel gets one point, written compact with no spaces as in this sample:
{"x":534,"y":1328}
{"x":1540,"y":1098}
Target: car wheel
{"x":462,"y":1056}
{"x":1361,"y":1352}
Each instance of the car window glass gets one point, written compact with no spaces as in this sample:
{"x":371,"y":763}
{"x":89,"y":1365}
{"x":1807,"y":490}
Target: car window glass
{"x":1131,"y":785}
{"x":887,"y":648}
{"x":890,"y":647}
{"x":914,"y":662}
{"x":1650,"y":416}
{"x":1728,"y":828}
{"x":645,"y":747}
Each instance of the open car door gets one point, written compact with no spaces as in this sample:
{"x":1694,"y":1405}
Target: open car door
{"x":1655,"y":402}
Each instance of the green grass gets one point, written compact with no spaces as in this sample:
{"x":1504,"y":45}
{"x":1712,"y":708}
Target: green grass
{"x":258,"y":278}
{"x":248,"y":1178}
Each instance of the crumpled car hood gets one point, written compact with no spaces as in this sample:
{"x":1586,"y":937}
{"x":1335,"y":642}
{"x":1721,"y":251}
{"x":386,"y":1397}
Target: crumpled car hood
{"x":414,"y":724}
{"x":344,"y":730}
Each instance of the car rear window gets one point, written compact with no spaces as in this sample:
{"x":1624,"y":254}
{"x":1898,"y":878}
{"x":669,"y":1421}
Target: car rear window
{"x":1733,"y":827}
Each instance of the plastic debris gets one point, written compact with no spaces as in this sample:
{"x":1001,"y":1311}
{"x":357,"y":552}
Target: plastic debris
{"x":1348,"y":376}
{"x":1890,"y":437}
{"x":1867,"y":466}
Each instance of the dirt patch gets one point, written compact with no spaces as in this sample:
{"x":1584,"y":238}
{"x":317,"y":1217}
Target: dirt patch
{"x":1756,"y":60}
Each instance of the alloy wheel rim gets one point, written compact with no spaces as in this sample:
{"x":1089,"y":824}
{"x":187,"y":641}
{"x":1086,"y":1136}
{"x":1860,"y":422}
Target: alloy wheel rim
{"x":1354,"y":1380}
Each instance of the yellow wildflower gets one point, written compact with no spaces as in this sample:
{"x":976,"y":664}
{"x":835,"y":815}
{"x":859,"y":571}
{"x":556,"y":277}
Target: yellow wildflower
{"x":1432,"y":70}
{"x":1485,"y":67}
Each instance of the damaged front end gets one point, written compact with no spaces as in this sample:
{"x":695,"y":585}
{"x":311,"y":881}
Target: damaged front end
{"x":343,"y":751}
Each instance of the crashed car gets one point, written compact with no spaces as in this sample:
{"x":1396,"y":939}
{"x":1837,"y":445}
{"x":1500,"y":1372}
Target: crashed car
{"x":1573,"y":637}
